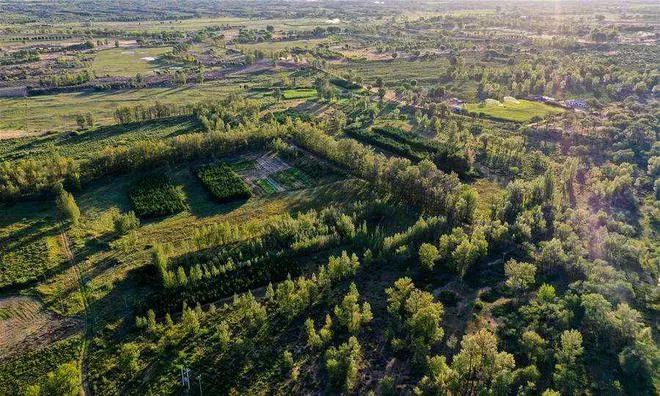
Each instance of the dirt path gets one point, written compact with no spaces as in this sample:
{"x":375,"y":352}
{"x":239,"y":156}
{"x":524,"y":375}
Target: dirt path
{"x":66,"y":242}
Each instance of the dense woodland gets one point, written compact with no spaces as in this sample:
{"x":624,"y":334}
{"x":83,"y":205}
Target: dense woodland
{"x":279,"y":197}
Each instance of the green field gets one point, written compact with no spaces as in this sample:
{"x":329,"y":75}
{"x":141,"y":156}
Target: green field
{"x":523,"y":111}
{"x":302,"y":93}
{"x":127,"y":62}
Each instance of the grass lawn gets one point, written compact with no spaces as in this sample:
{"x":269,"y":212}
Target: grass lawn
{"x":301,"y":93}
{"x":127,"y":61}
{"x":523,"y":111}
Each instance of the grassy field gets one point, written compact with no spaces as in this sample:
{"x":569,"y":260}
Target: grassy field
{"x":523,"y":111}
{"x":29,"y":243}
{"x":57,"y":112}
{"x":200,"y":23}
{"x":393,"y":72}
{"x":127,"y":62}
{"x":87,"y":143}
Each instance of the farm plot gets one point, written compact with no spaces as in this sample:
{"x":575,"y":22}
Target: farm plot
{"x":513,"y":110}
{"x":223,"y":183}
{"x":155,"y":195}
{"x":271,"y":174}
{"x":300,"y":93}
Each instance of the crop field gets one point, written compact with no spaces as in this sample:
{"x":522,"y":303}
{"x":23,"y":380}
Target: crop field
{"x":523,"y":111}
{"x":156,"y":196}
{"x":285,"y":44}
{"x":301,"y":93}
{"x":394,"y":71}
{"x":320,"y":197}
{"x":128,"y":61}
{"x":223,"y":183}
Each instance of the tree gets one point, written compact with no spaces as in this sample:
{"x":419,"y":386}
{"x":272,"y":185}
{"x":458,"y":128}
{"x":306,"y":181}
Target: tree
{"x":480,"y":368}
{"x":129,"y":355}
{"x":387,"y":386}
{"x":313,"y":338}
{"x":343,"y":364}
{"x":66,"y":206}
{"x":437,"y":380}
{"x":416,"y":316}
{"x":277,"y":94}
{"x":190,"y":320}
{"x":64,"y":381}
{"x":350,"y":314}
{"x":568,"y":374}
{"x":287,"y":362}
{"x":534,"y":346}
{"x":224,"y":336}
{"x":461,"y":251}
{"x":427,"y":255}
{"x":337,"y":122}
{"x":520,"y":275}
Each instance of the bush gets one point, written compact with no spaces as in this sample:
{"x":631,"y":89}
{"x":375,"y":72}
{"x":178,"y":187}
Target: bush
{"x":223,"y":183}
{"x":489,"y":295}
{"x":156,"y":196}
{"x":448,"y":297}
{"x":126,"y":222}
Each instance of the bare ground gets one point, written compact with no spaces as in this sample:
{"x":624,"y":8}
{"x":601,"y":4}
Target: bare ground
{"x":26,"y":325}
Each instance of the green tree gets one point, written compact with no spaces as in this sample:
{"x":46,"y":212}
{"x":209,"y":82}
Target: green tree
{"x":534,"y":346}
{"x":520,"y":275}
{"x":568,"y":374}
{"x":343,"y":364}
{"x":480,"y":368}
{"x":129,"y":355}
{"x":64,"y":381}
{"x":427,"y":255}
{"x":416,"y":316}
{"x":350,"y":314}
{"x":126,"y":222}
{"x":66,"y":206}
{"x":437,"y":380}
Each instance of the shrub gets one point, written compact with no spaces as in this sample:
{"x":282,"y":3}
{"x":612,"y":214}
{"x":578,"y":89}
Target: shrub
{"x":126,"y":222}
{"x":448,"y":297}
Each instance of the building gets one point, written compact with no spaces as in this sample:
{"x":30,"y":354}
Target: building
{"x":576,"y":104}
